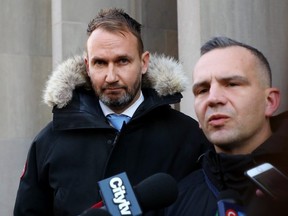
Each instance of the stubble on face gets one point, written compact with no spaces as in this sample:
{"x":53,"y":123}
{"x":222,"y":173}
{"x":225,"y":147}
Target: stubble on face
{"x":115,"y":69}
{"x":238,"y":124}
{"x":116,"y":100}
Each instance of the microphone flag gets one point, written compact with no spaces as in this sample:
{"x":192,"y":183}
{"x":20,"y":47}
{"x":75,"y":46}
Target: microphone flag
{"x":118,"y":196}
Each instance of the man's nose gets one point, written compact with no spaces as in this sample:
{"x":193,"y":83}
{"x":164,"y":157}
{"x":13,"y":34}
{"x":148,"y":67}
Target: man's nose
{"x":111,"y":74}
{"x":216,"y":96}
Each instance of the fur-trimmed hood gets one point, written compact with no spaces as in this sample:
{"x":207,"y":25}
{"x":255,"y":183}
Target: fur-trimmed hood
{"x":164,"y":74}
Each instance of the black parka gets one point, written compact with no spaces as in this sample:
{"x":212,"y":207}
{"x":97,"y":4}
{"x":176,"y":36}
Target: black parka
{"x":200,"y":191}
{"x":79,"y":148}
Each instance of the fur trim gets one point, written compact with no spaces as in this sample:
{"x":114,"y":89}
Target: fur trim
{"x":164,"y":74}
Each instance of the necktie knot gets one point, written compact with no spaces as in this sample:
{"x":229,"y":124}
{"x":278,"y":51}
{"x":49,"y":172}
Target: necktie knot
{"x":118,"y":120}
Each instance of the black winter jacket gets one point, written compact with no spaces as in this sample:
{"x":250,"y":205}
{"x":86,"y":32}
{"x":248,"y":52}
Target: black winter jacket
{"x":199,"y":192}
{"x":79,"y":148}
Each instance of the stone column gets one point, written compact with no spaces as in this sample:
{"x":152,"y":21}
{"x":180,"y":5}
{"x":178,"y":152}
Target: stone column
{"x":261,"y":24}
{"x":25,"y":61}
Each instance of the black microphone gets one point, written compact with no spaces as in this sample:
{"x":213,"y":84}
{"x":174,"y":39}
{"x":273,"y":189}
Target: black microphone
{"x":95,"y":212}
{"x":229,"y":204}
{"x":155,"y":192}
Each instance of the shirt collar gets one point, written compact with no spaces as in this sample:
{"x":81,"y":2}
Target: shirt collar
{"x":129,"y":112}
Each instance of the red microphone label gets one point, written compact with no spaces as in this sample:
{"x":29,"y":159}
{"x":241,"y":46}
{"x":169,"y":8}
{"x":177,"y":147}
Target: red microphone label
{"x":231,"y":212}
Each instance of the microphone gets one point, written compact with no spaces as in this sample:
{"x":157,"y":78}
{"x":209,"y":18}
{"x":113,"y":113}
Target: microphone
{"x":95,"y":212}
{"x":155,"y":192}
{"x":229,"y":204}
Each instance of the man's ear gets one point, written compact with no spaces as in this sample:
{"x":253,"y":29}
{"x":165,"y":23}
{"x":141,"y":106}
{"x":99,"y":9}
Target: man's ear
{"x":145,"y":61}
{"x":272,"y":101}
{"x":87,"y":65}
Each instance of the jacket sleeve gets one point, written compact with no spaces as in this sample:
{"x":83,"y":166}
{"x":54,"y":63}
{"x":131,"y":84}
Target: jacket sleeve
{"x":34,"y":197}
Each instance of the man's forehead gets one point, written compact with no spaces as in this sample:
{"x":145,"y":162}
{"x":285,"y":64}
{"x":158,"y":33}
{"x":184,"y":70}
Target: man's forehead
{"x":228,"y":61}
{"x":219,"y":77}
{"x":219,"y":54}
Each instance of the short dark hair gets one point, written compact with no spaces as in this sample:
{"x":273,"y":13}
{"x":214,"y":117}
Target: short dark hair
{"x":223,"y":42}
{"x":116,"y":20}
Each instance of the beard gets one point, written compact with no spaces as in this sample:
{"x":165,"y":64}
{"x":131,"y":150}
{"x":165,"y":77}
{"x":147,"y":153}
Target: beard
{"x":122,"y":101}
{"x":118,"y":103}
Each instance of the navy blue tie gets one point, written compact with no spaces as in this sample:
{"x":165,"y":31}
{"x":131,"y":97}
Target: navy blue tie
{"x":118,"y":120}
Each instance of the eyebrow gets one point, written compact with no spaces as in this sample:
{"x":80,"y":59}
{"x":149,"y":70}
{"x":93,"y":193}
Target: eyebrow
{"x":96,"y":58}
{"x":242,"y":79}
{"x":200,"y":84}
{"x":204,"y":83}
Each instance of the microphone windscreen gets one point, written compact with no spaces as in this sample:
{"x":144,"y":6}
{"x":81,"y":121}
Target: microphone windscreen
{"x":156,"y":192}
{"x":95,"y":212}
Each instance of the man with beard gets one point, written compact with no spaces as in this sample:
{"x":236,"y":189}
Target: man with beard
{"x":82,"y":145}
{"x":234,"y":103}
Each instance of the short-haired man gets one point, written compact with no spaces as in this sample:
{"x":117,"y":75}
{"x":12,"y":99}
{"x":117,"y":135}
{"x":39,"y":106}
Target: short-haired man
{"x":234,"y":103}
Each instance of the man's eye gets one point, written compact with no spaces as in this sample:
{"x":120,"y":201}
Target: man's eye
{"x":99,"y":62}
{"x":200,"y":91}
{"x":232,"y":84}
{"x":123,"y":61}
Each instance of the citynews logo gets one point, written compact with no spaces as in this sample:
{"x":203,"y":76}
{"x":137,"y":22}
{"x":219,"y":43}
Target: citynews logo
{"x":118,"y":196}
{"x":119,"y":193}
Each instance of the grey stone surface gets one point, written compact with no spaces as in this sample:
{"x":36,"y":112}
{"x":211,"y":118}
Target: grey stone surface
{"x":37,"y":34}
{"x":25,"y":27}
{"x":262,"y":24}
{"x":25,"y":62}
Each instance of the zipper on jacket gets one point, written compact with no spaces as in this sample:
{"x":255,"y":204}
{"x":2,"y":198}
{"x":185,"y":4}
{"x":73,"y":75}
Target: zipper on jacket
{"x":110,"y":153}
{"x":115,"y":141}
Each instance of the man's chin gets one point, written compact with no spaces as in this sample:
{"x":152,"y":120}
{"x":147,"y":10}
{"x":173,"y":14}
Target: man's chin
{"x":114,"y":92}
{"x":115,"y":103}
{"x":219,"y":139}
{"x":112,"y":98}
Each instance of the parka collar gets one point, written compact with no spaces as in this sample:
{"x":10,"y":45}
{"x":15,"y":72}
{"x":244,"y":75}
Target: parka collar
{"x":165,"y":75}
